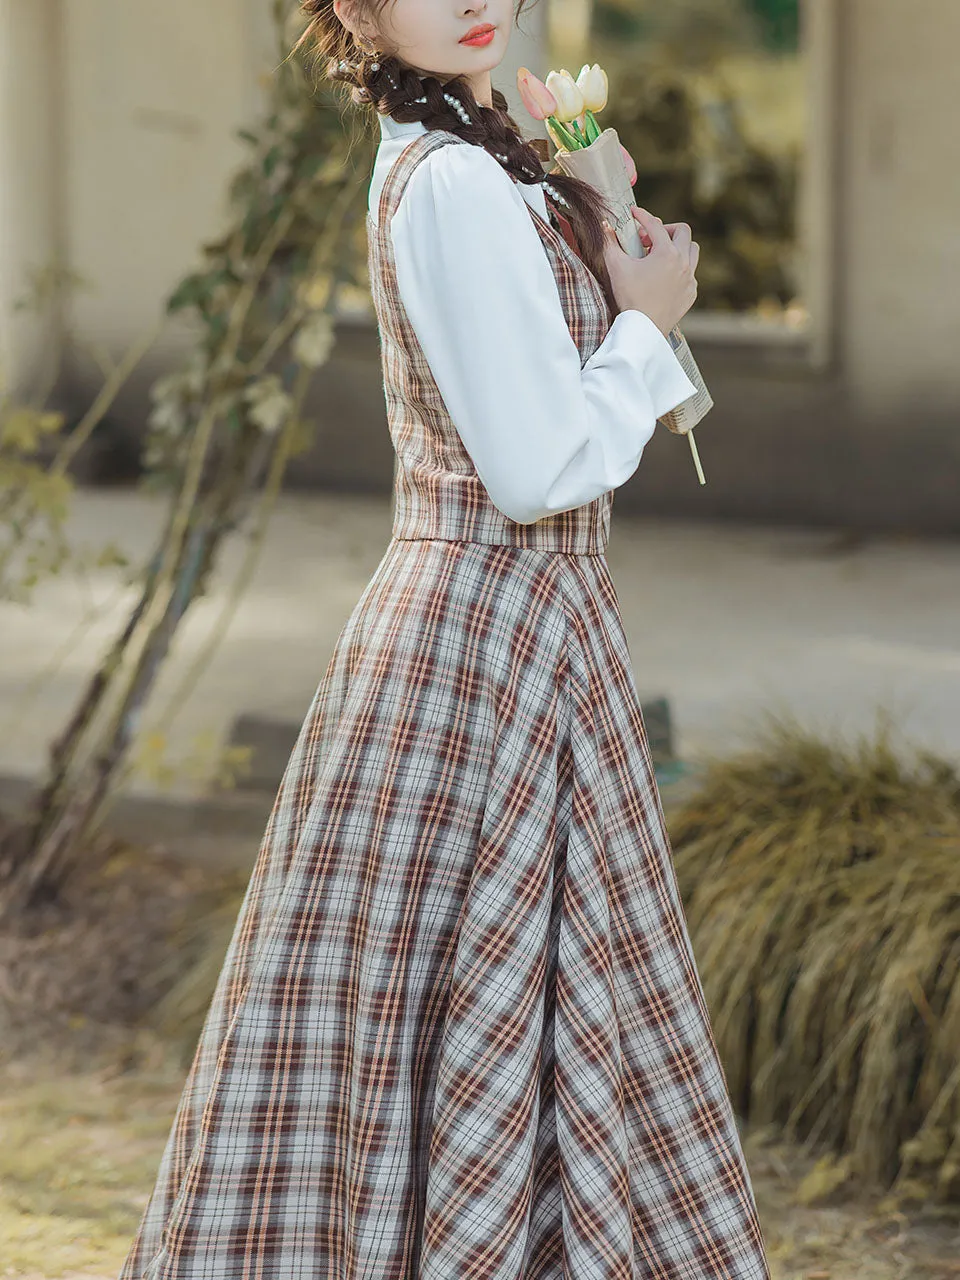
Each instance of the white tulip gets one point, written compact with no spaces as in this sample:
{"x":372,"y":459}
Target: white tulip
{"x":567,"y":93}
{"x":592,"y":83}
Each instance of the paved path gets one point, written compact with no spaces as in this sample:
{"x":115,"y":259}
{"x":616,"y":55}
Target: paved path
{"x":726,"y":621}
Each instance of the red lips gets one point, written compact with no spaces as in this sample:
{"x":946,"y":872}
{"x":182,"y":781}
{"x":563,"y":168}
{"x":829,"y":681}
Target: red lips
{"x":480,"y":30}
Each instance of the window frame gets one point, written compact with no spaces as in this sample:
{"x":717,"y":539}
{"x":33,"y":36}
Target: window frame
{"x":812,"y":348}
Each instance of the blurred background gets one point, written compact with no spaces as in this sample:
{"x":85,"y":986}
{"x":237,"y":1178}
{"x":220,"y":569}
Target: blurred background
{"x":811,"y":145}
{"x":195,"y":477}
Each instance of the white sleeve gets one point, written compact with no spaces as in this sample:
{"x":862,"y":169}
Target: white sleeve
{"x":544,"y":433}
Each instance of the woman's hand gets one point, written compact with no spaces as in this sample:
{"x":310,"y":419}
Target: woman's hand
{"x":663,"y":285}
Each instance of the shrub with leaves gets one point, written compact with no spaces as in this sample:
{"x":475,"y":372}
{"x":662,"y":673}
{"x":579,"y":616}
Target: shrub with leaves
{"x":678,"y":74}
{"x":222,"y":429}
{"x":34,"y":501}
{"x":696,"y":163}
{"x":37,"y":448}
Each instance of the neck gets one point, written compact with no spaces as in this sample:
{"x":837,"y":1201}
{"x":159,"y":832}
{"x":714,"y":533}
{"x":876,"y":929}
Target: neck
{"x":482,"y":88}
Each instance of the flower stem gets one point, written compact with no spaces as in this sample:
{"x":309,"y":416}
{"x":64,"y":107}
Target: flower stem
{"x":593,"y":129}
{"x":579,"y":132}
{"x":568,"y":140}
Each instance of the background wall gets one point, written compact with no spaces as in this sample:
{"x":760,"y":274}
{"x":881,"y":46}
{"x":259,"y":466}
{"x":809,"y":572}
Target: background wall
{"x":31,"y":224}
{"x":900,"y":205}
{"x":122,"y":156}
{"x":153,"y":96}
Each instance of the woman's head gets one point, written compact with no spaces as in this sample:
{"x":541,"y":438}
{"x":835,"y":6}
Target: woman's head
{"x":427,"y":35}
{"x":408,"y":60}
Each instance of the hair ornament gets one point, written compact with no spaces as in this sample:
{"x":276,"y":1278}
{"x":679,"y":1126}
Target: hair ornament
{"x":458,"y":107}
{"x":555,"y":194}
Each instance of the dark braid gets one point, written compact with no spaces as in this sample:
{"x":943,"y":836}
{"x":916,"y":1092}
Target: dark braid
{"x":395,"y":89}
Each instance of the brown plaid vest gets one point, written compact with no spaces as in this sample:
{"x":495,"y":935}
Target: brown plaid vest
{"x":437,"y":492}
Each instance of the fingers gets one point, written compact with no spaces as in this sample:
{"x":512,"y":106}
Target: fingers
{"x":680,"y":234}
{"x":654,"y":228}
{"x":653,"y":232}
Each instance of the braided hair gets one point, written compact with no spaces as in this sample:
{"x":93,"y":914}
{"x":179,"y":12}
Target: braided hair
{"x":396,"y":89}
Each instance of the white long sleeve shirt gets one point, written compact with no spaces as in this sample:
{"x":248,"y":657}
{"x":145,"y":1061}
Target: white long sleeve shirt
{"x":544,"y":433}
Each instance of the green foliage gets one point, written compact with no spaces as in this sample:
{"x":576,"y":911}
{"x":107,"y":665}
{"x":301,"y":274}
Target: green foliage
{"x":36,"y":447}
{"x":696,"y":163}
{"x":34,"y":503}
{"x":266,"y":294}
{"x":714,"y":25}
{"x":780,"y":22}
{"x":708,"y":105}
{"x":206,"y":762}
{"x":222,"y":430}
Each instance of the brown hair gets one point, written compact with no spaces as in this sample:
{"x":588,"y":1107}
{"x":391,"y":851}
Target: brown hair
{"x":395,"y":88}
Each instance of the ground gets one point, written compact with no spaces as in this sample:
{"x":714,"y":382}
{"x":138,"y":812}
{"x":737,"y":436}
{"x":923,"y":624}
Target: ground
{"x":78,"y":1156}
{"x":726,"y":621}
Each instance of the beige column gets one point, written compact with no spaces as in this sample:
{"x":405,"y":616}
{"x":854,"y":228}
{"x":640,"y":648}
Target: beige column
{"x":154,"y":96}
{"x":899,"y":214}
{"x":30,"y":173}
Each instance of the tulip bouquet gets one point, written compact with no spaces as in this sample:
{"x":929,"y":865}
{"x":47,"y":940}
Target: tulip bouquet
{"x":568,"y":109}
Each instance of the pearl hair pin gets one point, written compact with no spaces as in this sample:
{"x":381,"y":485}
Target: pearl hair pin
{"x":465,"y":117}
{"x":458,"y":107}
{"x":555,"y":194}
{"x":547,"y":186}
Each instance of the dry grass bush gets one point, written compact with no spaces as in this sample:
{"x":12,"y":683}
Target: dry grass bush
{"x":822,"y":887}
{"x":79,"y":973}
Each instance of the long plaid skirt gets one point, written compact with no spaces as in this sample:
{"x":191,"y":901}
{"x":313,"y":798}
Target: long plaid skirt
{"x":459,"y":1033}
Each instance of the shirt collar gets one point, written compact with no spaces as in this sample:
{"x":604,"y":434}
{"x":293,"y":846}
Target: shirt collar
{"x":390,"y":128}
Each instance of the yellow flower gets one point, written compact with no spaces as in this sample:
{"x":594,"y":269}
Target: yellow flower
{"x":593,"y":84}
{"x":567,"y":93}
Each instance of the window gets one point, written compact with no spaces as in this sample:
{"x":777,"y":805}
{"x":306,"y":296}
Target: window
{"x":712,"y":98}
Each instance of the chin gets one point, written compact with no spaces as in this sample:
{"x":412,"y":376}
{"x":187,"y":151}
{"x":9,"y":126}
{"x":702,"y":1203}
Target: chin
{"x":481,"y":60}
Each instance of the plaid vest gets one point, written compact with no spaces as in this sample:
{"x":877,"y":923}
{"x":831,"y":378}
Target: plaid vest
{"x":437,"y":492}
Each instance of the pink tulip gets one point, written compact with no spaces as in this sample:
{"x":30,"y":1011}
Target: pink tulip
{"x":535,"y":95}
{"x":628,"y":161}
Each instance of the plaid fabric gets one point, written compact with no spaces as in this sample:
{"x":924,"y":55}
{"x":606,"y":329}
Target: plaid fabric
{"x":459,"y":1033}
{"x":437,"y":491}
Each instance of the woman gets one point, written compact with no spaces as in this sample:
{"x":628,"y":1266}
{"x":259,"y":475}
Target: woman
{"x":459,"y":1033}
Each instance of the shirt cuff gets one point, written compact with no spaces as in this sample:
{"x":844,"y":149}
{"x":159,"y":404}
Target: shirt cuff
{"x":634,"y":333}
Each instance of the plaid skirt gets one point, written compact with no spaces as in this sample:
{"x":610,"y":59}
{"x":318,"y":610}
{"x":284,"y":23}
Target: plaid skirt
{"x":459,"y":1033}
